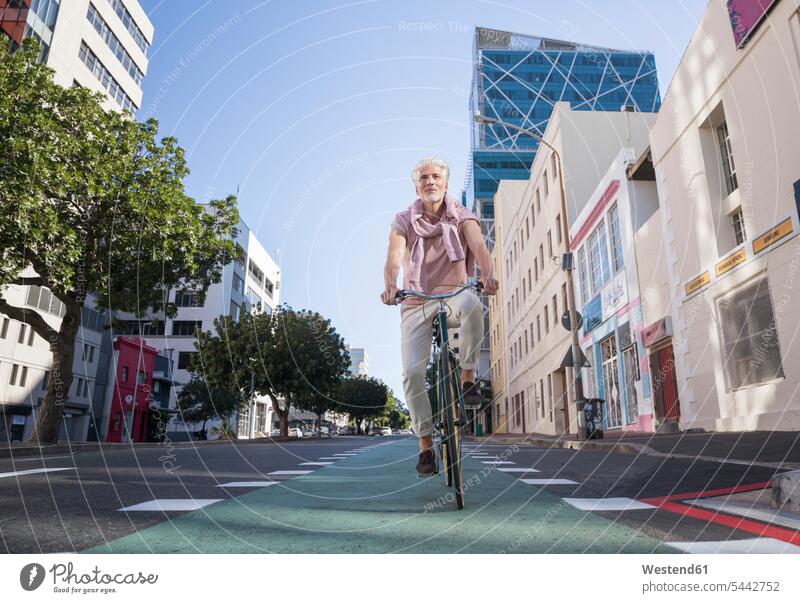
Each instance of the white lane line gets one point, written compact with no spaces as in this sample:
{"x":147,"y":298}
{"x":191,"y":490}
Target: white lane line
{"x":42,"y":458}
{"x":548,"y":482}
{"x":330,"y":458}
{"x":518,"y":469}
{"x":748,"y":545}
{"x":607,"y":504}
{"x":317,"y":463}
{"x":344,"y":454}
{"x":291,"y":472}
{"x":32,"y":471}
{"x":172,"y":504}
{"x":498,"y":462}
{"x":761,"y":512}
{"x":247,"y":484}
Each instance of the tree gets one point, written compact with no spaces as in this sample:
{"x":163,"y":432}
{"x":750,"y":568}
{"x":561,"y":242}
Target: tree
{"x":396,"y":415}
{"x":199,"y":402}
{"x":90,"y":201}
{"x":290,"y":355}
{"x":363,"y":398}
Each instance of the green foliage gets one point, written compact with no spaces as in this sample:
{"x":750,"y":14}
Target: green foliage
{"x":198,"y":402}
{"x":93,"y":202}
{"x":363,"y":398}
{"x":290,"y":355}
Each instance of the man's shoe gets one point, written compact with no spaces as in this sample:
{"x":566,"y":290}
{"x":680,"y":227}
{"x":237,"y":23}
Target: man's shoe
{"x":426,"y":466}
{"x":472,"y":396}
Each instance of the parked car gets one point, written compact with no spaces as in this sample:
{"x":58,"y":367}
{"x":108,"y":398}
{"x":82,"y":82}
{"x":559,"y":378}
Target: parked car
{"x":344,"y":431}
{"x":386,"y":431}
{"x":404,"y":432}
{"x":295,"y":432}
{"x":275,"y":433}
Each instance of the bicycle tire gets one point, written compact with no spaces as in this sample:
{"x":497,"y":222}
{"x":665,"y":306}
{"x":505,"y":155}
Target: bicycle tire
{"x":455,"y":439}
{"x":443,"y":396}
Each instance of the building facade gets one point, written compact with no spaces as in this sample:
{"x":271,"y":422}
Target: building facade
{"x":530,"y":247}
{"x":250,"y":282}
{"x":725,"y":154}
{"x":97,"y":44}
{"x":607,"y":292}
{"x":359,"y":361}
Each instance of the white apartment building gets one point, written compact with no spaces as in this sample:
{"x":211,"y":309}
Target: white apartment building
{"x":101,"y":45}
{"x":252,"y":279}
{"x":724,"y":148}
{"x":531,"y":243}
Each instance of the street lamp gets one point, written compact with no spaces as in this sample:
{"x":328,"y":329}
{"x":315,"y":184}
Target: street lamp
{"x":567,"y":261}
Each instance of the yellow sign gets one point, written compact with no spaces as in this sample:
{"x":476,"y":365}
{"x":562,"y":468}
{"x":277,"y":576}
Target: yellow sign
{"x":697,"y":282}
{"x":731,"y":262}
{"x":772,"y":236}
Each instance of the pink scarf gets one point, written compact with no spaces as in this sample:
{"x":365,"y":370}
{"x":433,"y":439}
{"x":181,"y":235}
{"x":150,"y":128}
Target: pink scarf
{"x":446,"y":227}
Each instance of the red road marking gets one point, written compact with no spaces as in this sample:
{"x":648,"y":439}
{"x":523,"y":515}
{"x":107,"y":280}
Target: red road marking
{"x":657,"y":500}
{"x":739,"y":523}
{"x":731,"y":521}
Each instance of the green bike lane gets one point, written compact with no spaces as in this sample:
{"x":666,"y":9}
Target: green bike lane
{"x":374,"y":503}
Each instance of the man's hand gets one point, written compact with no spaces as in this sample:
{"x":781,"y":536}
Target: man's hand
{"x":388,"y":295}
{"x":490,"y":285}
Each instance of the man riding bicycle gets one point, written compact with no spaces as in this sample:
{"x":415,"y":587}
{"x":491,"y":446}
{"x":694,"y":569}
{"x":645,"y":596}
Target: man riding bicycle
{"x":436,"y":241}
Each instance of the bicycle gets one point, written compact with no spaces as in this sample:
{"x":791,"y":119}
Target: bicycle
{"x":448,"y":408}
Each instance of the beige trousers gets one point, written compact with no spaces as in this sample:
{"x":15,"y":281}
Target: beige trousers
{"x":416,"y":330}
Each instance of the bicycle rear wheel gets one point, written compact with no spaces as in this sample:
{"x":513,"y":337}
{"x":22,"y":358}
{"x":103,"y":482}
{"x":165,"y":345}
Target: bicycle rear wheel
{"x":455,"y":439}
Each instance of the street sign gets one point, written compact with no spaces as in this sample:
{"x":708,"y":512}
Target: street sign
{"x":565,"y":320}
{"x":582,"y":360}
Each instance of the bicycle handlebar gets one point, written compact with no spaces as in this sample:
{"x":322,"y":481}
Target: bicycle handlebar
{"x":405,"y":293}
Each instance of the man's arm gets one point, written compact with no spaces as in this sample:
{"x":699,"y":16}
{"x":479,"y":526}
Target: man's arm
{"x":477,"y":245}
{"x":394,"y":259}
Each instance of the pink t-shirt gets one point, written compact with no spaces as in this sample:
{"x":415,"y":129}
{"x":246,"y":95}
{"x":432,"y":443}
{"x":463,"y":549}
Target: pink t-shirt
{"x":437,"y":273}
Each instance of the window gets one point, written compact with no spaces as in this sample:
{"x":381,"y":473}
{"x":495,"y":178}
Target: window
{"x":726,"y":156}
{"x":553,"y":165}
{"x":538,"y":201}
{"x":533,"y":215}
{"x":31,"y":333}
{"x":184,"y":359}
{"x":255,"y":271}
{"x":235,"y":311}
{"x":583,"y":275}
{"x":546,"y":319}
{"x":521,"y":239}
{"x":186,"y":327}
{"x":616,"y":240}
{"x":130,"y":24}
{"x":123,"y":376}
{"x":14,"y":373}
{"x":140,"y":378}
{"x":4,"y":328}
{"x":526,"y":342}
{"x":531,"y":335}
{"x":42,"y":298}
{"x":22,"y":329}
{"x":555,"y":310}
{"x":546,"y":185}
{"x":558,"y":229}
{"x":527,"y":228}
{"x":549,"y":244}
{"x":187,"y":299}
{"x":750,"y":339}
{"x":529,"y":280}
{"x":238,"y":283}
{"x":536,"y":268}
{"x":269,"y":287}
{"x":538,"y":328}
{"x":79,"y":387}
{"x":141,"y":328}
{"x":541,"y":258}
{"x":739,"y":233}
{"x":156,"y":387}
{"x":598,"y":255}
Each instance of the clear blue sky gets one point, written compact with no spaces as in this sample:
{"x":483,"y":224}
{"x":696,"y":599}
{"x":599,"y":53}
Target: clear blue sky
{"x":318,"y":109}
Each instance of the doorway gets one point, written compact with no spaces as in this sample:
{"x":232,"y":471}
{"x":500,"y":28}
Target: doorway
{"x":665,"y":386}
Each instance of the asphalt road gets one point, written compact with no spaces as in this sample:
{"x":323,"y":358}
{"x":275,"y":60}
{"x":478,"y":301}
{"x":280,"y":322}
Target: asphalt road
{"x":360,"y":495}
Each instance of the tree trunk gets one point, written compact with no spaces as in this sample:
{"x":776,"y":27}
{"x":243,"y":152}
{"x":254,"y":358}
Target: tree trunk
{"x":51,"y":411}
{"x":283,"y":415}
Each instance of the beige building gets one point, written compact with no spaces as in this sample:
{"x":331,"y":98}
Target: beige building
{"x":529,"y":247}
{"x":724,"y":148}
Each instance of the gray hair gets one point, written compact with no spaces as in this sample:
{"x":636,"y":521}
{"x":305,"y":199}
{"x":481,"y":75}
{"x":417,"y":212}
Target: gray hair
{"x":434,"y":161}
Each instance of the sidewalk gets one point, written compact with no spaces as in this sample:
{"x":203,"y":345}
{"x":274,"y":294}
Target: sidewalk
{"x":773,"y":448}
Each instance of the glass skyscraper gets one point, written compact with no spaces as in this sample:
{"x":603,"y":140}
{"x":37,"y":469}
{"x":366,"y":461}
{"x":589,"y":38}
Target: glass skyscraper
{"x":519,"y":78}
